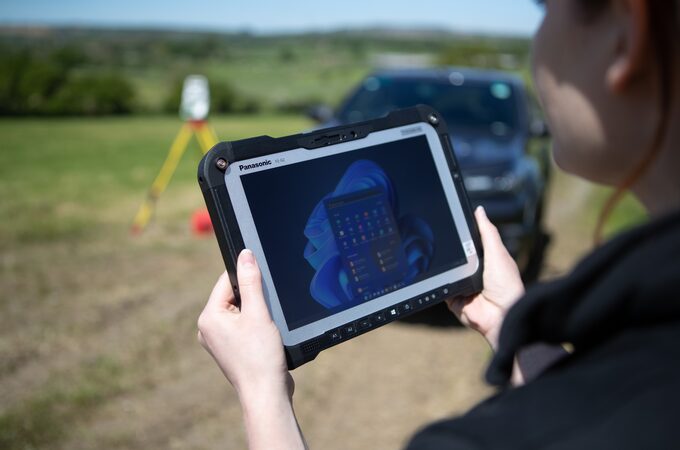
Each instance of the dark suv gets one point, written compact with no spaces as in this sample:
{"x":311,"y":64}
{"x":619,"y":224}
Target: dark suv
{"x":491,"y":119}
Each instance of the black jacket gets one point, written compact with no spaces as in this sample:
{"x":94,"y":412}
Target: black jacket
{"x":620,"y":389}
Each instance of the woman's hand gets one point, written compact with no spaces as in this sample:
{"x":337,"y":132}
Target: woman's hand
{"x":247,"y":346}
{"x":503,"y":286}
{"x":244,"y":341}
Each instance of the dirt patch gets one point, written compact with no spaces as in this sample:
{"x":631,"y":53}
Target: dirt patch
{"x":569,"y":222}
{"x":134,"y":301}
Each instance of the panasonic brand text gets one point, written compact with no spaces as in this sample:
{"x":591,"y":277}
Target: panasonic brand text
{"x":243,"y":167}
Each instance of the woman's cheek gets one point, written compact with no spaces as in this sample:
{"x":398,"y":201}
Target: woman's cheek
{"x":544,"y":82}
{"x":577,"y":131}
{"x":547,"y":91}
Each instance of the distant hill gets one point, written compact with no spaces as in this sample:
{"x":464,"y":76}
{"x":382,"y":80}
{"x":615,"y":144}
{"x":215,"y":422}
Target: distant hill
{"x":248,"y":72}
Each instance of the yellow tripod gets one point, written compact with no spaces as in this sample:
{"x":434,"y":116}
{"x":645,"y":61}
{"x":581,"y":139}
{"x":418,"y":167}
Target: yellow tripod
{"x":206,"y":138}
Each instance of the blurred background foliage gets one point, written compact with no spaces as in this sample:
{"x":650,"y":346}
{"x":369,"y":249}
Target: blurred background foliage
{"x":74,"y":71}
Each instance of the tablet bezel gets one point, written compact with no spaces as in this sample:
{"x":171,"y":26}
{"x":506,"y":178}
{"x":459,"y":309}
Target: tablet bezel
{"x":272,"y":161}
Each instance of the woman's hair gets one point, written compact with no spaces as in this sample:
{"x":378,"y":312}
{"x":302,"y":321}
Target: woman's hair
{"x":663,"y":30}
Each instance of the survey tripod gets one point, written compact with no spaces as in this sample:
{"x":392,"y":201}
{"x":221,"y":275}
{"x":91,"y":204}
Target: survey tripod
{"x":206,"y":138}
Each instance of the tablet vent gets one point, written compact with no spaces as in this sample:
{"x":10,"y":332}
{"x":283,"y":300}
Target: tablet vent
{"x":313,"y":346}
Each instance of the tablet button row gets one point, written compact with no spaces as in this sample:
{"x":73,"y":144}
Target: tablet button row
{"x":387,"y":315}
{"x":379,"y":317}
{"x":364,"y":324}
{"x":335,"y":335}
{"x":349,"y":329}
{"x":426,"y":300}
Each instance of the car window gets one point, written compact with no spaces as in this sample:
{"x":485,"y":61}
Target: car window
{"x":472,"y":104}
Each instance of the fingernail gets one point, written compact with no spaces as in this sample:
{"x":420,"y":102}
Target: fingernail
{"x":247,"y":258}
{"x":481,"y":210}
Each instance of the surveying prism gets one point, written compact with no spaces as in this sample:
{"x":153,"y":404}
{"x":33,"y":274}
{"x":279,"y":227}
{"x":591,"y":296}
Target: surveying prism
{"x":194,"y":109}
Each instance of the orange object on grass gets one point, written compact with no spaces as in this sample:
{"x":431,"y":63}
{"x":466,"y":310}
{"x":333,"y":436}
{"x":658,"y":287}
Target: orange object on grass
{"x":201,"y":223}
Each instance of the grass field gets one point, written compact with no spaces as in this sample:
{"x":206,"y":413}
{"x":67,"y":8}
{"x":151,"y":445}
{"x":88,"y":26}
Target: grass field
{"x":60,"y":177}
{"x":97,"y":328}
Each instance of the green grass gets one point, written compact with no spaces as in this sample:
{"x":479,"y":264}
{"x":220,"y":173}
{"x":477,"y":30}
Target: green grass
{"x":58,"y":176}
{"x":312,"y":75}
{"x":292,"y":82}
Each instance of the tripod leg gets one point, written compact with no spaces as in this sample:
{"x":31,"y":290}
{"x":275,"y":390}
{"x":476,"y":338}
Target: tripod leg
{"x":205,"y":146}
{"x":161,"y":181}
{"x":206,"y":138}
{"x":211,"y":132}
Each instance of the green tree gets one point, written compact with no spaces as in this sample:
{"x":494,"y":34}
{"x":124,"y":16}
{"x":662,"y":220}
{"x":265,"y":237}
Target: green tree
{"x":93,"y":95}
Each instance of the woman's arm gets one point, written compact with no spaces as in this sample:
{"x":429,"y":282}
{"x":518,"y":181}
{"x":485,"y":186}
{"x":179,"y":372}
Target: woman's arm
{"x":247,"y":346}
{"x":270,"y":421}
{"x":503,"y":287}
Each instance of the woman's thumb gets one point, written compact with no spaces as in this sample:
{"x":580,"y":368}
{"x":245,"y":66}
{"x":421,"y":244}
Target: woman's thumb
{"x":491,"y":239}
{"x":250,"y":284}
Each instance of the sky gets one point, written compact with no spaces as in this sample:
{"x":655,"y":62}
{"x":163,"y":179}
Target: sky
{"x":270,"y":16}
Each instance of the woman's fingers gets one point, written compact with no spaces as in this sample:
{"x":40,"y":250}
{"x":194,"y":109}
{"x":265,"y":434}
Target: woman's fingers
{"x":201,"y":340}
{"x":491,"y":239}
{"x":456,"y":305}
{"x":250,"y":285}
{"x":500,"y":270}
{"x":222,"y":296}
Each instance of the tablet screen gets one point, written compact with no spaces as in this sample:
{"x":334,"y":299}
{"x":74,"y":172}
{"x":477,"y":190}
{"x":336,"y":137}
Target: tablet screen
{"x":344,"y":229}
{"x":369,"y":244}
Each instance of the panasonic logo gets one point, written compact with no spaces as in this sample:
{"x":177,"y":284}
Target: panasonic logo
{"x":243,"y":167}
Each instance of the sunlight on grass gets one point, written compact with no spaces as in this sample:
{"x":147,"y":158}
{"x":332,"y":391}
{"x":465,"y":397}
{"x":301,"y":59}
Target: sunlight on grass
{"x":60,"y":175}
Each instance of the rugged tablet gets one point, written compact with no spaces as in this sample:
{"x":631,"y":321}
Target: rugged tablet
{"x":353,"y":227}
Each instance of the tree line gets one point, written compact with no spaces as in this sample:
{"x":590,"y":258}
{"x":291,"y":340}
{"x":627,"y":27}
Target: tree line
{"x":62,"y":83}
{"x":74,"y":71}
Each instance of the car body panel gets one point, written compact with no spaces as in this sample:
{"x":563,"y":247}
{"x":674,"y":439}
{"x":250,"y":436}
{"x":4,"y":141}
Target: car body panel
{"x":489,"y":115}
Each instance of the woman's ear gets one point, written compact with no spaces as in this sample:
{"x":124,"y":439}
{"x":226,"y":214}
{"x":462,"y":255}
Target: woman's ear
{"x":632,"y":43}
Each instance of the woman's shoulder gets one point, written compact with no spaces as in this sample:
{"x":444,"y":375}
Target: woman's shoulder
{"x":623,"y":394}
{"x":620,"y":388}
{"x":631,"y":282}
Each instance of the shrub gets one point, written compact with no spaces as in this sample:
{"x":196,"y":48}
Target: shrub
{"x":49,"y":86}
{"x":93,"y":95}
